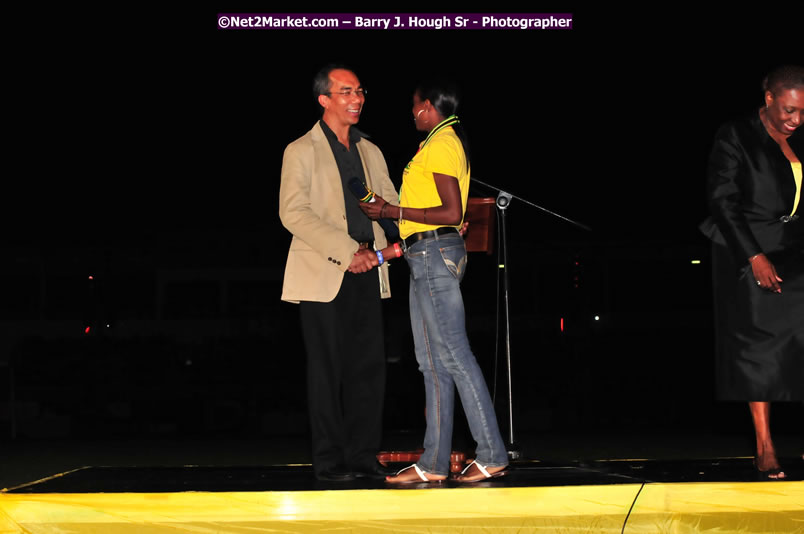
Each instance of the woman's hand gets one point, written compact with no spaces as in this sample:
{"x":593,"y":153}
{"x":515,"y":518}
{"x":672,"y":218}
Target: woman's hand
{"x":765,"y":273}
{"x":374,"y":210}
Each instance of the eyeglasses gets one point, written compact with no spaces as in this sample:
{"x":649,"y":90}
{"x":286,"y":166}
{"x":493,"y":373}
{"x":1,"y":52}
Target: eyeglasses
{"x":349,"y":92}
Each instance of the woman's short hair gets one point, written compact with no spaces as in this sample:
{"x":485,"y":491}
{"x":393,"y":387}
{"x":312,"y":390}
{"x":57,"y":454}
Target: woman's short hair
{"x":784,"y":77}
{"x":442,"y":94}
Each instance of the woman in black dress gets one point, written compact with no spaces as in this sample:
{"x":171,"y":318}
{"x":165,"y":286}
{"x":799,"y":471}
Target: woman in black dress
{"x":754,"y":191}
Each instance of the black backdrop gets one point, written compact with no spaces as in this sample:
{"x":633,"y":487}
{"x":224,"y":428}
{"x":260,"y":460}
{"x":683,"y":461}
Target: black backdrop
{"x":192,"y":120}
{"x":152,"y":123}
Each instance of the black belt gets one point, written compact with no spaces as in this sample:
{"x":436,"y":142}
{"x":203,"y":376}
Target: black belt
{"x":366,"y":244}
{"x":418,"y":236}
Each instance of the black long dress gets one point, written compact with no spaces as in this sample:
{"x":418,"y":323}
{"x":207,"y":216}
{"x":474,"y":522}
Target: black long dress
{"x":759,"y":334}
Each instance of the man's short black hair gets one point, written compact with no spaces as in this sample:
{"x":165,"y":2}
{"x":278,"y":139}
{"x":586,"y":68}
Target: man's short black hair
{"x":321,"y":81}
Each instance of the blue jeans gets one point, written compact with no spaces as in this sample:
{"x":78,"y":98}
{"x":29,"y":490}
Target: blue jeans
{"x":437,"y":317}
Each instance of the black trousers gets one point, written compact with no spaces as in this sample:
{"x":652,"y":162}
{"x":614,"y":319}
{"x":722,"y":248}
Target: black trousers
{"x":345,"y":373}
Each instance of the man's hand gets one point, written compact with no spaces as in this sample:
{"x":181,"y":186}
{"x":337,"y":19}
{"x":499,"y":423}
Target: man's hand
{"x":363,"y":261}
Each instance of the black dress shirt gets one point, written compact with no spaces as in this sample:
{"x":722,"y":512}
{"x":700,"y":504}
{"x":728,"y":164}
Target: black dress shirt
{"x":350,"y":166}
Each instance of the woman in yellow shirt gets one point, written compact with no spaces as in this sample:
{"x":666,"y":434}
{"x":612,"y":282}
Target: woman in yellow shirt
{"x":432,"y":204}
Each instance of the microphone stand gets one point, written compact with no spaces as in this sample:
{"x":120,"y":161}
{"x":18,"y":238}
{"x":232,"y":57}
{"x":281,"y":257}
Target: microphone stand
{"x":503,"y":201}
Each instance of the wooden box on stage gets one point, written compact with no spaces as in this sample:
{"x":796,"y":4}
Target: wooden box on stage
{"x":480,"y":212}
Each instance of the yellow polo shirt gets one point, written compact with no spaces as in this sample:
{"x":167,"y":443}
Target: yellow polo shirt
{"x":442,"y":154}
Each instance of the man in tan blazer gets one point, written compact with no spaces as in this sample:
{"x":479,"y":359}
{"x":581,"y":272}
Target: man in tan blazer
{"x":330,"y":273}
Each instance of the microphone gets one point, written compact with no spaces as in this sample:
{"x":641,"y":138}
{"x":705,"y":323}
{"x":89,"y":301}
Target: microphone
{"x":359,"y":190}
{"x":364,"y":194}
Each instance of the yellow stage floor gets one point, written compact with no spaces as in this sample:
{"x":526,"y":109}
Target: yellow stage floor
{"x":629,"y":508}
{"x":533,"y":498}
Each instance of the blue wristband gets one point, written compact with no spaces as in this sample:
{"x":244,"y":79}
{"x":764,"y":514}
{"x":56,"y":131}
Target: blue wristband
{"x":379,"y":256}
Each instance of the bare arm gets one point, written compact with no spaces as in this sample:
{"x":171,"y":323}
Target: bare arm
{"x":449,"y":213}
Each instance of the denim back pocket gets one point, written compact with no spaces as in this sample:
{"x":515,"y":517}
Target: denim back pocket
{"x":455,"y":259}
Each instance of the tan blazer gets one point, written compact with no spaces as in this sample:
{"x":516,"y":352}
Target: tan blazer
{"x":311,"y":207}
